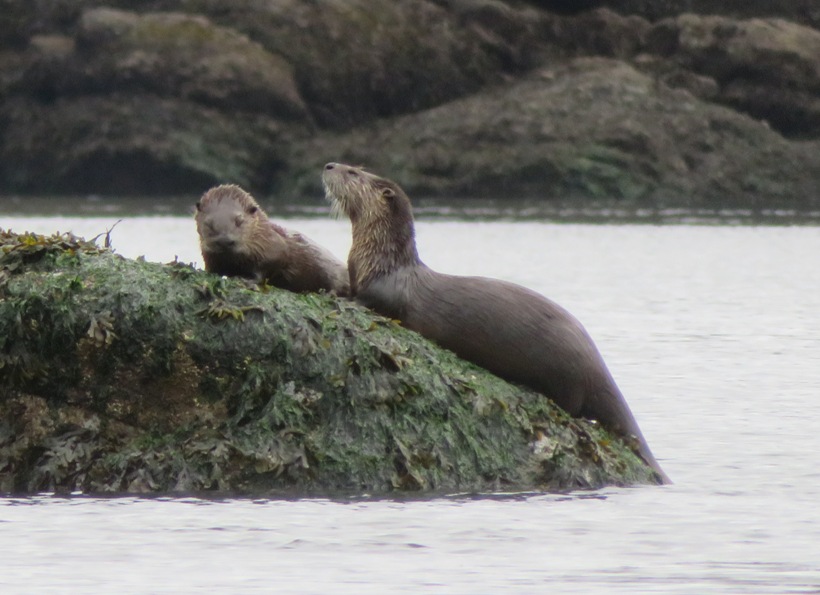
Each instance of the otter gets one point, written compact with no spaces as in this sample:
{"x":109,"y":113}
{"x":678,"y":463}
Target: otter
{"x":238,"y":240}
{"x":510,"y":330}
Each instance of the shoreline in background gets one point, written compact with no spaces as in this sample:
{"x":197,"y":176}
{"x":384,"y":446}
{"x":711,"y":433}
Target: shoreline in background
{"x":603,"y":212}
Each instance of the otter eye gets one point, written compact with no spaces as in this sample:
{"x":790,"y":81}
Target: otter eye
{"x":252,"y":210}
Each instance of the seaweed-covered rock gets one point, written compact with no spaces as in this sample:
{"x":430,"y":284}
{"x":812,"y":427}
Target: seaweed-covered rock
{"x":128,"y":376}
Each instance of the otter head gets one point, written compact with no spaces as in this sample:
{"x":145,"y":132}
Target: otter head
{"x":382,"y":220}
{"x":226,"y":217}
{"x":235,"y":235}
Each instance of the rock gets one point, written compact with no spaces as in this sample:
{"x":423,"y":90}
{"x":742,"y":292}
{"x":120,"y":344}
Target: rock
{"x":358,"y":60}
{"x":130,"y":376}
{"x":593,"y":128}
{"x":767,"y":68}
{"x":134,"y":144}
{"x":256,"y":92}
{"x":806,"y":12}
{"x":13,"y":13}
{"x":22,"y":19}
{"x":168,"y":55}
{"x":597,"y":33}
{"x":154,"y":103}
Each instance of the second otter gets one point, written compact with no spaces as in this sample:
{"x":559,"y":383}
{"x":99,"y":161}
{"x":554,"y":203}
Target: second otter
{"x":511,"y":331}
{"x":238,"y":239}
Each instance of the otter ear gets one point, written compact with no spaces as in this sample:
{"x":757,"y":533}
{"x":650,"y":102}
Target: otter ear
{"x":199,"y":205}
{"x":388,"y":193}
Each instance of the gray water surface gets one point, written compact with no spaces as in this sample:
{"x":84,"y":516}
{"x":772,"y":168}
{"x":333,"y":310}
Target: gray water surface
{"x":713,"y":334}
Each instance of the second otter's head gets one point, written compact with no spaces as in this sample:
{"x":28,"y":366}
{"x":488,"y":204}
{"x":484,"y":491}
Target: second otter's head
{"x":227,"y":217}
{"x":382,"y":220}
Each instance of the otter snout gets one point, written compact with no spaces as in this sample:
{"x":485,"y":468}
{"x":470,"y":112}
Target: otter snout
{"x":337,"y":179}
{"x":333,"y":171}
{"x":332,"y":181}
{"x":223,"y":243}
{"x":340,"y":168}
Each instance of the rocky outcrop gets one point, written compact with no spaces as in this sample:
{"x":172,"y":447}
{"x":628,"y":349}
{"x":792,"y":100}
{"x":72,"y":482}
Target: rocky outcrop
{"x":806,"y":12}
{"x":174,"y":55}
{"x":134,"y":144}
{"x":593,"y":128}
{"x":129,"y":376}
{"x":360,"y":60}
{"x":166,"y":96}
{"x":769,"y":69}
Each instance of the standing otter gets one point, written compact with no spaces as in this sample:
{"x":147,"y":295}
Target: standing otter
{"x":511,"y":331}
{"x":238,"y":240}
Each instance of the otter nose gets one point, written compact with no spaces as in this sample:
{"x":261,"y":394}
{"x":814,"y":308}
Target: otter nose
{"x":225,"y":243}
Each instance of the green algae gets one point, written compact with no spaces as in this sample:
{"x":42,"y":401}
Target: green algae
{"x":122,"y":375}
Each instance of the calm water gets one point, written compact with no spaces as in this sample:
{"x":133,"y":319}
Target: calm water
{"x":713,"y":333}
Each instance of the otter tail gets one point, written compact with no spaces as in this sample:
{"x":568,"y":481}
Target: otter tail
{"x":611,"y":410}
{"x":646,"y":455}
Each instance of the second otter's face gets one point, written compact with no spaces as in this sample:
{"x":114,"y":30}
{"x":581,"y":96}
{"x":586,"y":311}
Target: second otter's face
{"x":362,"y":196}
{"x":225,"y":218}
{"x":382,"y":218}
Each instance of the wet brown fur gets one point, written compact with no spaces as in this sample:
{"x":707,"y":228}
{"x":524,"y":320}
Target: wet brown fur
{"x":510,"y":330}
{"x":237,"y":239}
